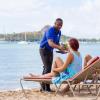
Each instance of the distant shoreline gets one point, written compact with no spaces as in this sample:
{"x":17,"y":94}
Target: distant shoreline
{"x":89,"y":42}
{"x":39,"y":41}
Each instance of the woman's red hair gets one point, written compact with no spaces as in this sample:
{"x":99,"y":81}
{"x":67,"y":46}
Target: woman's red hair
{"x":74,"y":44}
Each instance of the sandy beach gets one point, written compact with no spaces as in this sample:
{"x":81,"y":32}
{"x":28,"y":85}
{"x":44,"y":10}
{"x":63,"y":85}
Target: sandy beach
{"x":35,"y":94}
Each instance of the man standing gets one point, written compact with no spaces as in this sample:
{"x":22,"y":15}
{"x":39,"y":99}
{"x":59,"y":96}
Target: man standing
{"x":50,"y":41}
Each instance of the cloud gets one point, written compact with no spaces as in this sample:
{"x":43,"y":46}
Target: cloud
{"x":19,"y":7}
{"x":81,"y":17}
{"x":83,"y":21}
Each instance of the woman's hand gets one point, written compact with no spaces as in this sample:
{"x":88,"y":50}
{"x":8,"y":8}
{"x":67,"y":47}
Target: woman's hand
{"x":55,"y":72}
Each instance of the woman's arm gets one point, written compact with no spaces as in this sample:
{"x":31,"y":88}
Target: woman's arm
{"x":69,"y":59}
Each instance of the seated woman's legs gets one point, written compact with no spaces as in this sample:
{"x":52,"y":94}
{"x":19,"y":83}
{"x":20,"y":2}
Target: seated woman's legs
{"x":57,"y":63}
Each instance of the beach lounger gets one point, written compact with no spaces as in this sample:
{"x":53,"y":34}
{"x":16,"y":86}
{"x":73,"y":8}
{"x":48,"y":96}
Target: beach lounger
{"x":75,"y":80}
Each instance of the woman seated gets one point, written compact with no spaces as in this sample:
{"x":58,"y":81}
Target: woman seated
{"x":67,"y":69}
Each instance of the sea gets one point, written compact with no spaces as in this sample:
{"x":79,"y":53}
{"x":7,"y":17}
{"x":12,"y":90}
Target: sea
{"x":18,"y":60}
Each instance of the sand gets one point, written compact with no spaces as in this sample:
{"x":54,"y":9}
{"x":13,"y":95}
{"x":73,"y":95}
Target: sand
{"x":35,"y":94}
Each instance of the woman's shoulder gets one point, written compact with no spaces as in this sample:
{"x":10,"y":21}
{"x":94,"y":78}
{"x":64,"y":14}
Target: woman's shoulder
{"x":70,"y":54}
{"x":76,"y":53}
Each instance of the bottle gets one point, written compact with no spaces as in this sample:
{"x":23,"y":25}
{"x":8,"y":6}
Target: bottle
{"x":65,"y":46}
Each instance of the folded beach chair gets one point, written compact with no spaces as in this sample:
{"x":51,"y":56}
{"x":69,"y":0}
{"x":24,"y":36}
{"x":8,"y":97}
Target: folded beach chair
{"x":82,"y":76}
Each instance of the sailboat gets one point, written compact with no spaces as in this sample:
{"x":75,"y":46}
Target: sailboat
{"x":24,"y":42}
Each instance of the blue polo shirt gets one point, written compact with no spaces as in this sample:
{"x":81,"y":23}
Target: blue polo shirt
{"x":52,"y":34}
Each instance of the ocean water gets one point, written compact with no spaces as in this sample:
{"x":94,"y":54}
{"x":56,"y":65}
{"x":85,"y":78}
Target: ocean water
{"x":17,"y":60}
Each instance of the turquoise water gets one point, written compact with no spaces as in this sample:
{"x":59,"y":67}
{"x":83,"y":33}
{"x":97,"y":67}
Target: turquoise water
{"x":17,"y":60}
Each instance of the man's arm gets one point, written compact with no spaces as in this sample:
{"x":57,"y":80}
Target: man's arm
{"x":53,"y":45}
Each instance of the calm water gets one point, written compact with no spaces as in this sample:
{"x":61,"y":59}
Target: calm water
{"x":17,"y":60}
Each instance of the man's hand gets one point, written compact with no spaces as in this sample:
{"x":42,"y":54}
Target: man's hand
{"x":53,"y":45}
{"x":61,"y":47}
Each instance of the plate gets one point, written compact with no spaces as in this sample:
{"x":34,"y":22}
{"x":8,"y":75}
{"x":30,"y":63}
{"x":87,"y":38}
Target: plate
{"x":62,"y":52}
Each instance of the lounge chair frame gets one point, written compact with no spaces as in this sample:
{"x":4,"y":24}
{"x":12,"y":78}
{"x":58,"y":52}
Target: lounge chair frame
{"x":75,"y":80}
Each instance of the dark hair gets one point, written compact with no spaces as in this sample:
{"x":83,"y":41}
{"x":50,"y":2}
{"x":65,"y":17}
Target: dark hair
{"x":59,"y":19}
{"x":74,"y":44}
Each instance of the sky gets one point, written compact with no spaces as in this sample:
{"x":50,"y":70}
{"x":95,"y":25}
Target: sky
{"x":81,"y":17}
